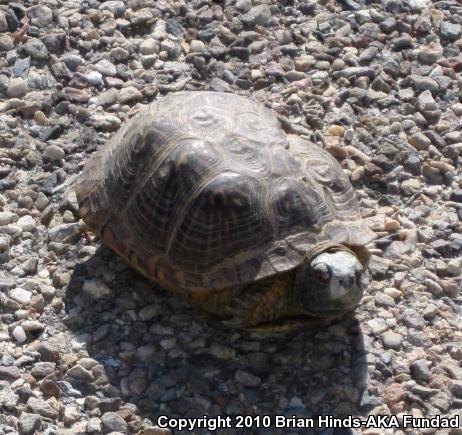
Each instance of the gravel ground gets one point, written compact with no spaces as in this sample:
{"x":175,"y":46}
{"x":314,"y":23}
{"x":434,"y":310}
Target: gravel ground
{"x":86,"y":346}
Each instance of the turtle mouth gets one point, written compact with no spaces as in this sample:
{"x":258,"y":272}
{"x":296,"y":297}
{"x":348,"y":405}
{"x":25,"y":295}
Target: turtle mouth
{"x":334,"y":309}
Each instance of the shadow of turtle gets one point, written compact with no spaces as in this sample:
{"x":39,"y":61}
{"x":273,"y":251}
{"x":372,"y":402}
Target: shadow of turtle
{"x":167,"y":359}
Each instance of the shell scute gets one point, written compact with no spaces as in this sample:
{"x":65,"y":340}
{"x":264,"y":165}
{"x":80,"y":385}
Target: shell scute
{"x":223,"y":220}
{"x":297,"y":207}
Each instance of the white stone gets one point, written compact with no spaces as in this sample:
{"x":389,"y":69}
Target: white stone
{"x":106,"y":122}
{"x":197,"y":46}
{"x":27,"y":223}
{"x":94,"y":78}
{"x":378,"y":326}
{"x":106,"y":68}
{"x":149,"y":46}
{"x":20,"y":295}
{"x":19,"y":335}
{"x":96,"y":288}
{"x":418,"y":5}
{"x":426,"y":101}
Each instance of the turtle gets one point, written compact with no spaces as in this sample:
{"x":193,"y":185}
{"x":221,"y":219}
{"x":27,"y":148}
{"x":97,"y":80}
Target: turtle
{"x":206,"y":194}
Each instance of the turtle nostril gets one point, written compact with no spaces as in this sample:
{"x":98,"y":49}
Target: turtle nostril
{"x":347,"y":281}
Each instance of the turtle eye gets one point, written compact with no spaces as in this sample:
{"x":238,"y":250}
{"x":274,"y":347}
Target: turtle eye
{"x":321,"y":273}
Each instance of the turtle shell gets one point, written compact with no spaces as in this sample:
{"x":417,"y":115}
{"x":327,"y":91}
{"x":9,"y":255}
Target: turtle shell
{"x":204,"y":191}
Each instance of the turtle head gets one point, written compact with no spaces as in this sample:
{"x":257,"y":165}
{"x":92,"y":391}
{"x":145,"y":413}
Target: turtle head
{"x":330,"y":283}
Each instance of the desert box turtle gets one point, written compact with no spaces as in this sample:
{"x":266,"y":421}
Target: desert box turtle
{"x":204,"y":193}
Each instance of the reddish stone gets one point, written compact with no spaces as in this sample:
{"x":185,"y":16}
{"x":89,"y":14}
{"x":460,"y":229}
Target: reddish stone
{"x":394,"y":393}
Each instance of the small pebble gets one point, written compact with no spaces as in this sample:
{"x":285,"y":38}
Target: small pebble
{"x":392,"y":340}
{"x":17,"y":88}
{"x":19,"y":334}
{"x":53,"y":153}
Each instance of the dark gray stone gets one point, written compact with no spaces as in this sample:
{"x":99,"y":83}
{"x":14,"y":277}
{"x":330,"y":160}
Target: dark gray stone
{"x":450,"y":31}
{"x":420,"y":370}
{"x":113,"y":422}
{"x":36,"y":49}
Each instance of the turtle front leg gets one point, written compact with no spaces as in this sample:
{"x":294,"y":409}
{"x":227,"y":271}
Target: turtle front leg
{"x":260,"y":303}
